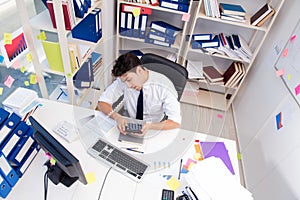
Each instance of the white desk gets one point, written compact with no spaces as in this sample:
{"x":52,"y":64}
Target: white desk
{"x":117,"y":186}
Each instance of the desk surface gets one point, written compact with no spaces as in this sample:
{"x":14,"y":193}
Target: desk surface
{"x":116,"y":186}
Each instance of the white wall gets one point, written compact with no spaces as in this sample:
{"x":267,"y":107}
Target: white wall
{"x":270,"y":157}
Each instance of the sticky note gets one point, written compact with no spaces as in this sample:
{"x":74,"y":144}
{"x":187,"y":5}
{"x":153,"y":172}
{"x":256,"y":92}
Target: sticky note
{"x":285,"y":52}
{"x":48,"y":156}
{"x":52,"y":161}
{"x":186,"y":17}
{"x":279,"y":121}
{"x":69,"y":75}
{"x":9,"y":81}
{"x":1,"y":58}
{"x":26,"y":83}
{"x":29,"y":57}
{"x":239,"y":156}
{"x":23,"y":69}
{"x":173,"y":183}
{"x":32,"y":79}
{"x":42,"y":36}
{"x":220,"y":116}
{"x":7,"y":38}
{"x":1,"y":90}
{"x":293,"y":38}
{"x":297,"y":89}
{"x":136,"y":12}
{"x":90,"y":177}
{"x":280,"y":72}
{"x":289,"y":76}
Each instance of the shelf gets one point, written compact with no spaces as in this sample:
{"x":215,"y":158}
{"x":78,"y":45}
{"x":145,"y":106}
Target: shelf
{"x":42,"y":21}
{"x":201,"y":15}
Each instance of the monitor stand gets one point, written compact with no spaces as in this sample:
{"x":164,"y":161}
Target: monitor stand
{"x":57,"y":175}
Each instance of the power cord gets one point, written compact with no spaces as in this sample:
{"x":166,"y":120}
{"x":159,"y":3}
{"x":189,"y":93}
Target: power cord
{"x":104,"y":182}
{"x":45,"y":185}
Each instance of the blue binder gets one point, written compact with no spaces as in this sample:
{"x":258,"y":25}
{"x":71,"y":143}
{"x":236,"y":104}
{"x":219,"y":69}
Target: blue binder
{"x":144,"y":21}
{"x":27,"y":159}
{"x":4,"y":187}
{"x":11,"y":122}
{"x":18,"y":152}
{"x":152,"y":34}
{"x":174,"y":6}
{"x":79,"y":8}
{"x":86,"y":29}
{"x":7,"y":171}
{"x":156,"y":42}
{"x":3,"y":116}
{"x":123,"y":23}
{"x":98,"y":23}
{"x":13,"y":138}
{"x":165,"y":28}
{"x":136,"y":26}
{"x":129,"y":24}
{"x":84,"y":76}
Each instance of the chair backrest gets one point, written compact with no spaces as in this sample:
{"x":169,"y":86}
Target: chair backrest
{"x":174,"y":71}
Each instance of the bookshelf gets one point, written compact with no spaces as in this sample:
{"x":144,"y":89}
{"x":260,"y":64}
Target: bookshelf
{"x":170,"y":16}
{"x":42,"y":22}
{"x":221,"y":97}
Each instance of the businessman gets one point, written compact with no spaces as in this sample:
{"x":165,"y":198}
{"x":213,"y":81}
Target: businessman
{"x":148,"y":95}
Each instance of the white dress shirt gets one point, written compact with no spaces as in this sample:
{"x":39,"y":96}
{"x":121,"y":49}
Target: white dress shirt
{"x":160,"y":97}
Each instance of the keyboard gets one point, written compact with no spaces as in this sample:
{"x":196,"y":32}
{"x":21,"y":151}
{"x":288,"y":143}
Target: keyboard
{"x":133,"y":128}
{"x":119,"y":160}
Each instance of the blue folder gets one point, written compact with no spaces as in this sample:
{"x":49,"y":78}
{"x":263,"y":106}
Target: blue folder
{"x":143,"y":21}
{"x":174,"y":5}
{"x":3,"y":116}
{"x":85,"y":75}
{"x":164,"y":27}
{"x":4,"y":187}
{"x":86,"y":29}
{"x":11,"y":122}
{"x":79,"y":8}
{"x":7,"y":171}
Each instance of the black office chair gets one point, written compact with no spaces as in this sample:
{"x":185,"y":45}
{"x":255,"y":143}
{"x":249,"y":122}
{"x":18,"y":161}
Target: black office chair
{"x":174,"y":71}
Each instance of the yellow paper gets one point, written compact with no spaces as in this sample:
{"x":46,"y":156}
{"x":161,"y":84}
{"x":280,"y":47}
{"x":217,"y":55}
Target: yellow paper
{"x":52,"y":161}
{"x":173,"y":183}
{"x":136,"y":12}
{"x":29,"y":57}
{"x":23,"y":69}
{"x":239,"y":156}
{"x":42,"y":36}
{"x":26,"y":83}
{"x":53,"y":54}
{"x":32,"y":79}
{"x":7,"y":38}
{"x":289,"y":76}
{"x":90,"y":177}
{"x":1,"y":90}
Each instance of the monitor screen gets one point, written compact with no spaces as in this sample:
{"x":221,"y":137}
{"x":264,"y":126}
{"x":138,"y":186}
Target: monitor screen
{"x":67,"y":168}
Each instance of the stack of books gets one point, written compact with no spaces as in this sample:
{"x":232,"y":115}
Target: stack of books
{"x":262,"y":15}
{"x":180,"y":5}
{"x":200,"y":41}
{"x":230,"y":78}
{"x":195,"y":70}
{"x":211,"y":8}
{"x":232,"y":12}
{"x":162,"y":34}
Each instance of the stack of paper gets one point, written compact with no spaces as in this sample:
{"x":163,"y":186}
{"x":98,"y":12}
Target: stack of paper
{"x":211,"y":180}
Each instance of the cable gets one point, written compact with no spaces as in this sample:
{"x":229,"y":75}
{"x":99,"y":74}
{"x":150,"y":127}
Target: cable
{"x":104,"y":182}
{"x":45,"y":184}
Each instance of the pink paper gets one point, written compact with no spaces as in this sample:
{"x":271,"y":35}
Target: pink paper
{"x":280,"y":72}
{"x":293,"y":38}
{"x":285,"y":52}
{"x":220,"y":116}
{"x":297,"y":89}
{"x":186,"y":17}
{"x":9,"y":81}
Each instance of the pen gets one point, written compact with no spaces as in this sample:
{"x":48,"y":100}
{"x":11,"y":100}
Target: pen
{"x":180,"y":169}
{"x":129,"y":149}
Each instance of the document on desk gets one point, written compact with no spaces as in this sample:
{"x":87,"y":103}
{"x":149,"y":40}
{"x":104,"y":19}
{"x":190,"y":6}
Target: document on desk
{"x":211,"y":178}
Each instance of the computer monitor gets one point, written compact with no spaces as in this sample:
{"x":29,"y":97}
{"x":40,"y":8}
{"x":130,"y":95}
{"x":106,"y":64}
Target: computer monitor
{"x":67,"y":168}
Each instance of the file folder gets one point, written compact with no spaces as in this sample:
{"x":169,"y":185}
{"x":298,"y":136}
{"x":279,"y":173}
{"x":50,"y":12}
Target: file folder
{"x":123,"y":23}
{"x":7,"y":171}
{"x":144,"y":20}
{"x":84,"y":77}
{"x":157,"y":42}
{"x":27,"y":160}
{"x":129,"y":26}
{"x":79,"y":9}
{"x":136,"y":26}
{"x":86,"y":29}
{"x":4,"y":187}
{"x":13,"y":138}
{"x":3,"y":116}
{"x":174,"y":6}
{"x":99,"y":23}
{"x":11,"y":122}
{"x":165,"y":28}
{"x":129,"y":9}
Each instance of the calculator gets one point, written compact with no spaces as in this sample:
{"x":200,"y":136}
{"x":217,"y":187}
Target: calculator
{"x":133,"y":128}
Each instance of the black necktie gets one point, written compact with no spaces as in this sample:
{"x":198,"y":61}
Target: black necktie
{"x":139,"y":107}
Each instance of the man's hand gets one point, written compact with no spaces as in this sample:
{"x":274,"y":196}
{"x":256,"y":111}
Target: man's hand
{"x":121,"y":124}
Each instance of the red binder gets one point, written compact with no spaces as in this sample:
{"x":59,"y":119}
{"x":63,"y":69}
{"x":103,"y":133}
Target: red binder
{"x":67,"y":17}
{"x":143,"y":10}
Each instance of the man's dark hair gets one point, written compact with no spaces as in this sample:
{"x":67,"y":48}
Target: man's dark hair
{"x":125,"y":63}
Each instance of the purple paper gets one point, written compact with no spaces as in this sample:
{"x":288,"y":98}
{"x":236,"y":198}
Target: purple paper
{"x":217,"y":149}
